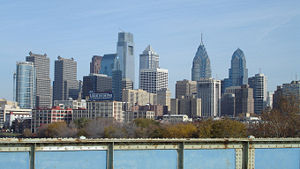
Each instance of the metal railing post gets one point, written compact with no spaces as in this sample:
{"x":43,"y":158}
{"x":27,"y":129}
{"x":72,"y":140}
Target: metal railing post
{"x":180,"y":156}
{"x":32,"y":156}
{"x":110,"y":156}
{"x":248,"y":156}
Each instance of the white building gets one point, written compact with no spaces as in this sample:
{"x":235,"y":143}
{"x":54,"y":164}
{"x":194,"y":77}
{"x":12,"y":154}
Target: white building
{"x":73,"y":104}
{"x":209,"y":90}
{"x":179,"y":118}
{"x":8,"y":107}
{"x":149,"y":59}
{"x":153,"y":80}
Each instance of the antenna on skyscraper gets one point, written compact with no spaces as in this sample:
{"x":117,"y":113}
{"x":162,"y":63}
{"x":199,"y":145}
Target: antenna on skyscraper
{"x":201,"y":39}
{"x":121,"y":30}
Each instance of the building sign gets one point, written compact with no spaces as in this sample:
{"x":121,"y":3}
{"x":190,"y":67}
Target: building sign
{"x":100,"y":96}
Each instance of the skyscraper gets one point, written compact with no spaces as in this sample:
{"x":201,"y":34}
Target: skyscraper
{"x":26,"y":85}
{"x":97,"y":83}
{"x":209,"y":90}
{"x":117,"y":81}
{"x":289,"y":90}
{"x":95,"y":64}
{"x":65,"y":83}
{"x":185,"y":88}
{"x":238,"y":73}
{"x":125,"y":52}
{"x":201,"y":64}
{"x":149,"y":59}
{"x":43,"y":82}
{"x":152,"y":80}
{"x":107,"y":64}
{"x":259,"y":85}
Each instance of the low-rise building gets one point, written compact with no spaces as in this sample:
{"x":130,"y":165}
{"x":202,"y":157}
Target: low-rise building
{"x":131,"y":116}
{"x":176,"y":118}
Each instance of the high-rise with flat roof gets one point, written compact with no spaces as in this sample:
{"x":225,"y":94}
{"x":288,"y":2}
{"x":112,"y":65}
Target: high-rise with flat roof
{"x":65,"y":83}
{"x":152,"y":80}
{"x":25,"y":85}
{"x":43,"y":82}
{"x":95,"y":64}
{"x":209,"y":90}
{"x":97,"y":83}
{"x":259,"y":85}
{"x":185,"y":88}
{"x":107,"y":64}
{"x":125,"y":52}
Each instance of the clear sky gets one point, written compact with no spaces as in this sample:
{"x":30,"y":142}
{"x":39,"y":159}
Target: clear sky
{"x":268,"y":31}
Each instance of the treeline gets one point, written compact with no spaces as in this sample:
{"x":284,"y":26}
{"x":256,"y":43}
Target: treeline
{"x":142,"y":128}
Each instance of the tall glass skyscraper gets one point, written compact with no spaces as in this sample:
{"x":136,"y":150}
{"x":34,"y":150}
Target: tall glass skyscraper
{"x":201,"y":64}
{"x":107,"y":64}
{"x":238,"y":73}
{"x":125,"y":52}
{"x":26,"y":85}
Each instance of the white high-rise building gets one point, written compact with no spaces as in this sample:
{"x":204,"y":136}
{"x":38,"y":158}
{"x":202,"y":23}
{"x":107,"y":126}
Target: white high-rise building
{"x":259,"y":85}
{"x":209,"y":90}
{"x":152,"y":80}
{"x":149,"y":59}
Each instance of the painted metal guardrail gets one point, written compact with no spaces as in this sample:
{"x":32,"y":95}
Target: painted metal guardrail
{"x":244,"y":149}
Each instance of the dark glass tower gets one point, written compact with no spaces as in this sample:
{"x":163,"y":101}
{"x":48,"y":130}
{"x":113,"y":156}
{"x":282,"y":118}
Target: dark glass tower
{"x":201,"y":64}
{"x":238,"y":73}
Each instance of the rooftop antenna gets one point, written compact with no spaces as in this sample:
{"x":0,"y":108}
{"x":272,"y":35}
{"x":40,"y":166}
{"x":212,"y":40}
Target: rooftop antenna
{"x":201,"y":39}
{"x":121,"y":30}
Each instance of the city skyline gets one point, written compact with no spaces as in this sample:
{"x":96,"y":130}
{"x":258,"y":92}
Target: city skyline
{"x":268,"y":32}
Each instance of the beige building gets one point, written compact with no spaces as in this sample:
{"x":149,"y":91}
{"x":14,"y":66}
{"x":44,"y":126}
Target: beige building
{"x":189,"y":105}
{"x":138,"y":97}
{"x":105,"y":109}
{"x":185,"y":88}
{"x":164,"y":98}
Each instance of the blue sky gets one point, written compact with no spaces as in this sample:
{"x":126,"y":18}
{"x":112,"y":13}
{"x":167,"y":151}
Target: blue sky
{"x":268,"y":31}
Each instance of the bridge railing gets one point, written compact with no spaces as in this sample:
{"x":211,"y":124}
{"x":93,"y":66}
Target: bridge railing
{"x":63,"y":153}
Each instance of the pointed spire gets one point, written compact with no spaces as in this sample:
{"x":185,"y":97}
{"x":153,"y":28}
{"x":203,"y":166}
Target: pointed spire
{"x":201,"y":39}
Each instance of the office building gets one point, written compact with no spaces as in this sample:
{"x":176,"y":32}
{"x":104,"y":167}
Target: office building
{"x":149,"y":59}
{"x":70,"y":104}
{"x":201,"y":64}
{"x":188,"y":105}
{"x":209,"y":90}
{"x":50,"y":115}
{"x":25,"y":85}
{"x":97,"y":83}
{"x":11,"y":109}
{"x":117,"y":81}
{"x":106,"y":109}
{"x":164,"y":98}
{"x":107,"y":64}
{"x":259,"y":85}
{"x":138,"y":97}
{"x":95,"y":64}
{"x":153,"y":80}
{"x":289,"y":90}
{"x":125,"y":52}
{"x":43,"y":83}
{"x":185,"y":88}
{"x":238,"y":73}
{"x":243,"y":101}
{"x":65,"y":83}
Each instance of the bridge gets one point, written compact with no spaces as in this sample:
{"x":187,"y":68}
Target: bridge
{"x":65,"y":153}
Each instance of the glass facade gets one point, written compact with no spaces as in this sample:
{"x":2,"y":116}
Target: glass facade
{"x":25,"y":84}
{"x":107,"y":64}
